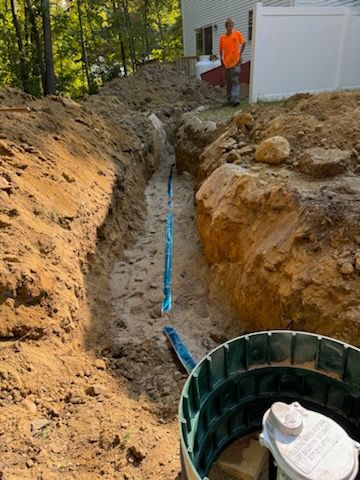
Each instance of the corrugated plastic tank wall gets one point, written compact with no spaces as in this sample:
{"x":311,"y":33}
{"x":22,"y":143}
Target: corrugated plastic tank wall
{"x":228,"y":392}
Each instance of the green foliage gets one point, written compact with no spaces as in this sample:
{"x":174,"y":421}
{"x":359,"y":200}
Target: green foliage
{"x":10,"y":58}
{"x":93,"y":41}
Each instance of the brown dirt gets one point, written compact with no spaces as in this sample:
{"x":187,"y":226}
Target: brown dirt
{"x":280,"y":240}
{"x":88,"y":386}
{"x":329,"y":120}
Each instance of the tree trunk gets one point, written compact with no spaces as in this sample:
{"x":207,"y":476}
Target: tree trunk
{"x":59,"y":53}
{"x":12,"y":62}
{"x":83,"y":47}
{"x":121,"y":42}
{"x":50,"y":85}
{"x":161,"y":31}
{"x":146,"y":28}
{"x":129,"y":29}
{"x":95,"y":43}
{"x":37,"y":43}
{"x":22,"y":75}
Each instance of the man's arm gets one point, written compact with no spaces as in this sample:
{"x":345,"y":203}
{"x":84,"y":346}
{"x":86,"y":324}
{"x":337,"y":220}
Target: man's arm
{"x":221,"y":52}
{"x":242,"y":48}
{"x":242,"y":43}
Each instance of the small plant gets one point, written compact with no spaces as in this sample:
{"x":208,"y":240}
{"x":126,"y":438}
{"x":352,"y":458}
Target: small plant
{"x":43,"y":433}
{"x":125,"y":439}
{"x":121,"y":441}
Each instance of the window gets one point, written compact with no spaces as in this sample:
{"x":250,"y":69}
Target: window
{"x":250,"y":25}
{"x":199,"y":42}
{"x":204,"y":40}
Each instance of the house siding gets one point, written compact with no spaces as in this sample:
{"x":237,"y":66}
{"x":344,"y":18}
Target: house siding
{"x":327,"y":3}
{"x":203,"y":13}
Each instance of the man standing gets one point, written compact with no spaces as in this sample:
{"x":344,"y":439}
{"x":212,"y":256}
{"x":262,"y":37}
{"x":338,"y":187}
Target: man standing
{"x":231,"y":47}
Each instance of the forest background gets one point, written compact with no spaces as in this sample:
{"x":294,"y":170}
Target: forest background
{"x":72,"y":47}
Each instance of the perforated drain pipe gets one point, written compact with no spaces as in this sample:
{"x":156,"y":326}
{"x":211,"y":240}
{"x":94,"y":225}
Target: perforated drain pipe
{"x":229,"y":391}
{"x":167,"y":302}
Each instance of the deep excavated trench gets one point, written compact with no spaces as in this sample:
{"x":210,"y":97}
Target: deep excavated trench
{"x":136,"y":295}
{"x":135,"y":341}
{"x":72,"y":195}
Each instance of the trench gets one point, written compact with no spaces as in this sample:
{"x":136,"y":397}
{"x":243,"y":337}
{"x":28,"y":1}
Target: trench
{"x":135,"y":343}
{"x":140,"y":357}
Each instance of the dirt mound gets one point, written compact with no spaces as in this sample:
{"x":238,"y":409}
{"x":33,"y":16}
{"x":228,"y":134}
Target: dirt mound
{"x":62,"y":168}
{"x":278,"y":245}
{"x":285,"y":239}
{"x":68,"y":179}
{"x":327,"y":120}
{"x":158,"y":85}
{"x":330,"y":120}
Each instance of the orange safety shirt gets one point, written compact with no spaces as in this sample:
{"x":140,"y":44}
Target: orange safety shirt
{"x":229,"y":48}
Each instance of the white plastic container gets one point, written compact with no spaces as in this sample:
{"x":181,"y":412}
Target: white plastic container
{"x":307,"y":445}
{"x":204,"y":64}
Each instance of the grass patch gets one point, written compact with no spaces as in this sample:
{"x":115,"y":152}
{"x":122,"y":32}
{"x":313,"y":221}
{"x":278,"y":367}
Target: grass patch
{"x":269,"y":103}
{"x":221,"y":113}
{"x":224,"y":113}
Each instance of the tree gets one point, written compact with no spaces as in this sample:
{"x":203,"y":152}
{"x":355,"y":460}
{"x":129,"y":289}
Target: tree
{"x":130,"y":33}
{"x":39,"y":50}
{"x":83,"y":46}
{"x":118,"y":28}
{"x":49,"y":84}
{"x":22,"y":75}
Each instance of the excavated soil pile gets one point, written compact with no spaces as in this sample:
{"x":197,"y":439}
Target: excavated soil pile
{"x":62,"y":169}
{"x":278,"y":213}
{"x":72,"y":181}
{"x":159,"y":87}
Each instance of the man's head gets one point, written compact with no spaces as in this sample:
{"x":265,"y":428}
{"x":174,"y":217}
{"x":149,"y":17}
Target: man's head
{"x":229,"y":25}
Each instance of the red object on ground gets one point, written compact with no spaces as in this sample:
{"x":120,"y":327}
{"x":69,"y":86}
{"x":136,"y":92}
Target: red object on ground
{"x":216,"y":75}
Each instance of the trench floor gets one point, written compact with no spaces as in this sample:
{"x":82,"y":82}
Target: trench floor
{"x":144,"y":368}
{"x":145,"y":360}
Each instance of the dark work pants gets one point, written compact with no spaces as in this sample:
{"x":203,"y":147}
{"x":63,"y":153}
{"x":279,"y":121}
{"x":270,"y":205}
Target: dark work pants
{"x":232,"y":78}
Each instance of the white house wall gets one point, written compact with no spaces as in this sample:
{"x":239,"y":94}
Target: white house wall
{"x":203,"y":13}
{"x":327,"y":3}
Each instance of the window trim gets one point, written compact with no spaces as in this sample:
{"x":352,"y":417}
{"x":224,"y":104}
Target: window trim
{"x":250,"y":24}
{"x":202,"y":29}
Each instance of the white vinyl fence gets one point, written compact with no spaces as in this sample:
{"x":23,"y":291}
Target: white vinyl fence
{"x":304,"y":49}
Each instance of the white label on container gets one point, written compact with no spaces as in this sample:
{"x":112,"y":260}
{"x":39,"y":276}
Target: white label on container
{"x":312,"y":445}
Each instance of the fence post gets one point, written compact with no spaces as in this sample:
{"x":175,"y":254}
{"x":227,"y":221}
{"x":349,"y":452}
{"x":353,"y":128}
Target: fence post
{"x":342,"y":47}
{"x":253,"y":93}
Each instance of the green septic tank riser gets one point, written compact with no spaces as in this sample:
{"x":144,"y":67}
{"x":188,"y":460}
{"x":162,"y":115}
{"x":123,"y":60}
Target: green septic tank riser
{"x":228,"y":392}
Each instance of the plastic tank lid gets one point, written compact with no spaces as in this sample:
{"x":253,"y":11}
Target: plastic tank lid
{"x":307,"y":445}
